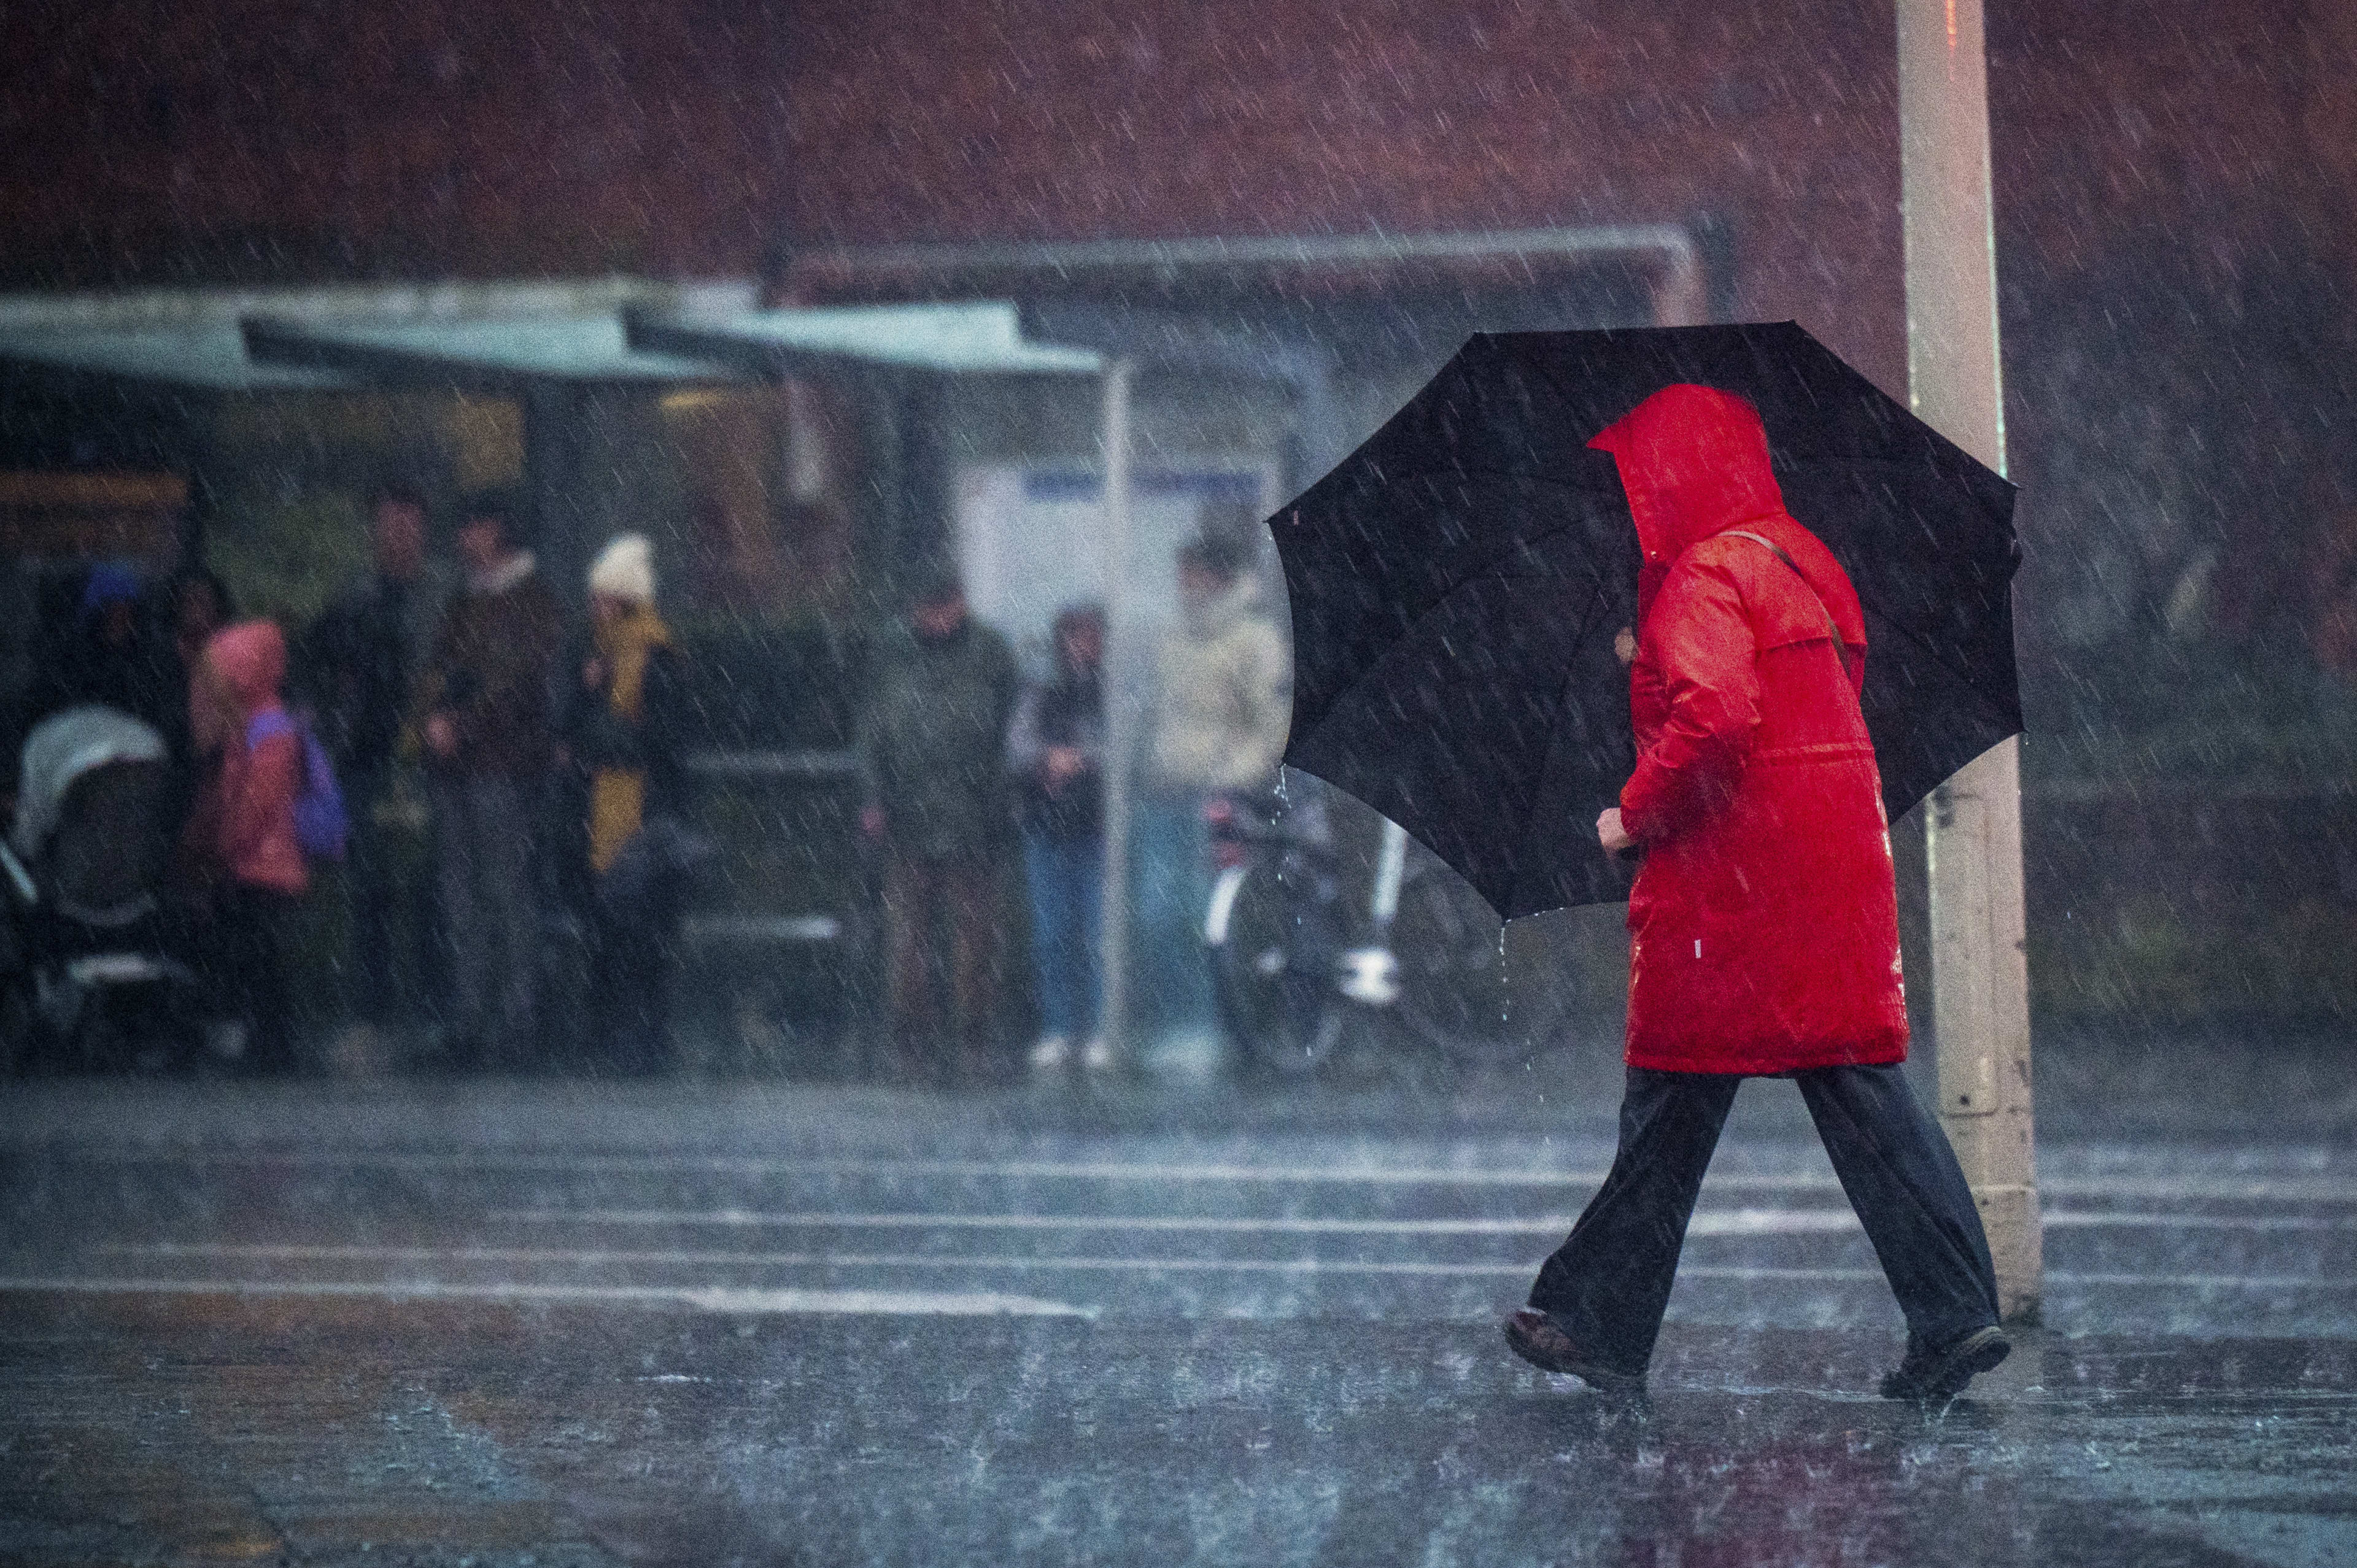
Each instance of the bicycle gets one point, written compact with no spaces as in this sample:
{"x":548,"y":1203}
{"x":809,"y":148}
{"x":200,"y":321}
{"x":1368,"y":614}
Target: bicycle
{"x":1302,"y":972}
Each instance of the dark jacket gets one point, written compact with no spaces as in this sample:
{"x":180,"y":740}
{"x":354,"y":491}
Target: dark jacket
{"x":1067,"y":710}
{"x":594,"y":737}
{"x":932,"y":741}
{"x":490,"y":670}
{"x":357,"y":669}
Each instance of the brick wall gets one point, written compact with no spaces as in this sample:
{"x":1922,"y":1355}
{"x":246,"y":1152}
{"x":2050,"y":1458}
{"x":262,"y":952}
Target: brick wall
{"x":2172,"y":176}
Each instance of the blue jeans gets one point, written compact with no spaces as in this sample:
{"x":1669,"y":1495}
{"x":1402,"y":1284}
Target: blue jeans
{"x":1608,"y":1286}
{"x":1067,"y":879}
{"x":1172,"y":854}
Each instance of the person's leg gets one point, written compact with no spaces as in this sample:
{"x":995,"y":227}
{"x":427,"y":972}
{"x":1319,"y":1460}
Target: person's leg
{"x":221,"y":944}
{"x":250,"y":974}
{"x":373,"y":931}
{"x":1902,"y":1178}
{"x":972,"y":900}
{"x":1051,"y":920}
{"x":274,"y":1035}
{"x":467,"y":963}
{"x":907,"y":906}
{"x":1609,"y":1283}
{"x":626,"y":1029}
{"x":1173,"y":886}
{"x":504,"y":808}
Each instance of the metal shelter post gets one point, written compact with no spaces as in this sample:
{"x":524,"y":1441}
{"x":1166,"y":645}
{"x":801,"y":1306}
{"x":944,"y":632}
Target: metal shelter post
{"x":1979,"y":974}
{"x":1121,"y":709}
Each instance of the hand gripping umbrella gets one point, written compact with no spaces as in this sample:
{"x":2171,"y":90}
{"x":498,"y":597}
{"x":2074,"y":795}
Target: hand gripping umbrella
{"x":1457,"y":584}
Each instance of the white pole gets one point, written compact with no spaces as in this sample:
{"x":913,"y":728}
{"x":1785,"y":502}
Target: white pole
{"x":1980,"y":981}
{"x":1122,"y":649}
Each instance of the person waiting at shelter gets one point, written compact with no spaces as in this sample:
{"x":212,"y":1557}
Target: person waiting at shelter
{"x":242,"y":836}
{"x":357,"y":666}
{"x":932,"y":748}
{"x":621,"y":740}
{"x":1221,"y":704}
{"x":486,"y":726}
{"x":111,"y":658}
{"x":195,"y":604}
{"x":1055,"y":749}
{"x":1763,"y":926}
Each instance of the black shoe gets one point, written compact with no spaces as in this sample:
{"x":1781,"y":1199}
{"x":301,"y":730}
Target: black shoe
{"x":1532,"y":1335}
{"x":1941,"y":1374}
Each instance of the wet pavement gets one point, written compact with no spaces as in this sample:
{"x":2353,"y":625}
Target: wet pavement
{"x":543,"y":1322}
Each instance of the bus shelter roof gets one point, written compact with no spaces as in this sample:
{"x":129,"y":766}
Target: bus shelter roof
{"x":966,"y":338}
{"x":200,"y":357}
{"x":474,"y":351}
{"x":221,"y":347}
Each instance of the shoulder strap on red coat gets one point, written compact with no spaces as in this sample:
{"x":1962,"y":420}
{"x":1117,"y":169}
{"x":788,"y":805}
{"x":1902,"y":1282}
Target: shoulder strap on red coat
{"x":1841,"y":649}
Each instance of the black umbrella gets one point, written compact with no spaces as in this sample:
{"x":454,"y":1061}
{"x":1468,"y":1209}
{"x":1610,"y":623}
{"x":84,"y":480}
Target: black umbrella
{"x":1457,"y":584}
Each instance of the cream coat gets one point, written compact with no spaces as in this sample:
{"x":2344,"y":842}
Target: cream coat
{"x":1224,"y":686}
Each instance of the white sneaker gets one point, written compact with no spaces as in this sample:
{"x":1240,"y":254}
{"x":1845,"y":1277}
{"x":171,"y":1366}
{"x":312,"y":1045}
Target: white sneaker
{"x":1053,"y":1051}
{"x":1097,"y":1054}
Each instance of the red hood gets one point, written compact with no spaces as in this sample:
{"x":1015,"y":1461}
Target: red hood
{"x":251,"y":659}
{"x":1694,"y":461}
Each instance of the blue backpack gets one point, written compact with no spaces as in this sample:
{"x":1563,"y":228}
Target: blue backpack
{"x":321,"y":825}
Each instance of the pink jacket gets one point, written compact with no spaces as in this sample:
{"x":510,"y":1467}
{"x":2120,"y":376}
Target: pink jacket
{"x":258,"y":783}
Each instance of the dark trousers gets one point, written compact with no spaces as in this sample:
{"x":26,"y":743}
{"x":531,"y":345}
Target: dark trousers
{"x":245,"y":969}
{"x":1609,"y":1283}
{"x":490,"y":910}
{"x":628,"y":1004}
{"x":962,"y":897}
{"x":390,"y":918}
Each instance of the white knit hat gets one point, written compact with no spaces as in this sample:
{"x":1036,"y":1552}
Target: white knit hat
{"x":625,"y":569}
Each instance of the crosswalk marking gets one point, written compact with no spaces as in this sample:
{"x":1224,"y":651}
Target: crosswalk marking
{"x":702,"y":1298}
{"x":2320,"y":1189}
{"x":1731,"y":1222}
{"x":818,"y":1301}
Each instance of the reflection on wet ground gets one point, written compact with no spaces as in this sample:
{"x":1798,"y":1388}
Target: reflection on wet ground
{"x":551,"y":1324}
{"x":330,"y":1429}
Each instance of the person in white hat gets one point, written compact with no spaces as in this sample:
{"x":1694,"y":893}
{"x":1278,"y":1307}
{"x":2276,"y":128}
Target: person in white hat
{"x":626,"y":631}
{"x":618,"y":736}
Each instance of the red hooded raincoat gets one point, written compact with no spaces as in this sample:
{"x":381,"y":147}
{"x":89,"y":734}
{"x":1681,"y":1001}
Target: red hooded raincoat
{"x":1764,"y":923}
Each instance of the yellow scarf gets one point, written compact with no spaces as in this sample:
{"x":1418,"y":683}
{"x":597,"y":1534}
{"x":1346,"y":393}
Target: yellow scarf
{"x":617,"y":796}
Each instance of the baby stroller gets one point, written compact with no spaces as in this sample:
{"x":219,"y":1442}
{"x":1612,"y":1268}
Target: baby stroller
{"x":85,"y":976}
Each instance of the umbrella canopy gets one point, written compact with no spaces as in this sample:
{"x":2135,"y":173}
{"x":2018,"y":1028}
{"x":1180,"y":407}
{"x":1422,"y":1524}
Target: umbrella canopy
{"x":1457,"y":582}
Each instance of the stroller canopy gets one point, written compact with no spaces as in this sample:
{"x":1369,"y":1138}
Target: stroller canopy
{"x":61,"y":748}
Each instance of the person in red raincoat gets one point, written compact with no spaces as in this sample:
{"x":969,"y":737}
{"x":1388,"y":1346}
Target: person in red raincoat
{"x":1763,"y":926}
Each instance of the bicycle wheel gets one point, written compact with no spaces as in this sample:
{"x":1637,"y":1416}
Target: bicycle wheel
{"x":1454,"y":994}
{"x":1273,"y":971}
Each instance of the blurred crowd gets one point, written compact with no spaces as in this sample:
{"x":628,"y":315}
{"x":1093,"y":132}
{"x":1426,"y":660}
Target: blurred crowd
{"x":438,"y":754}
{"x":445,"y":765}
{"x":951,"y":737}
